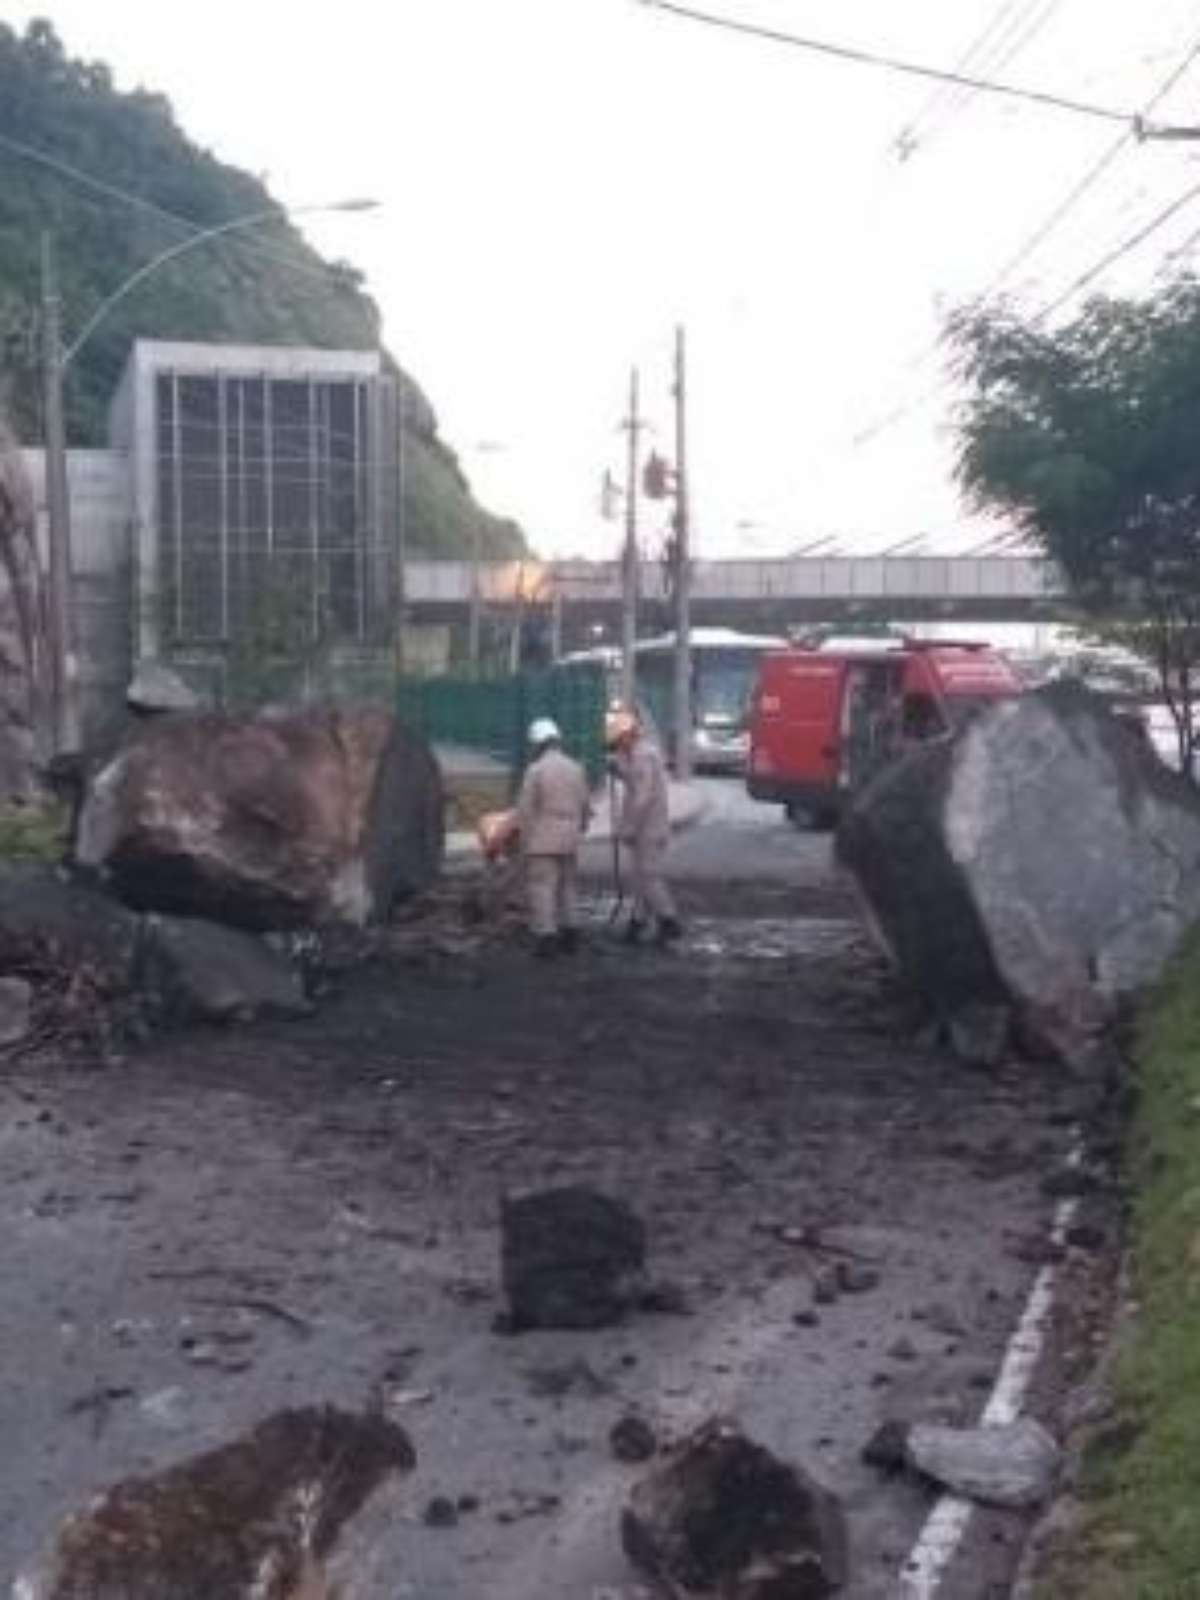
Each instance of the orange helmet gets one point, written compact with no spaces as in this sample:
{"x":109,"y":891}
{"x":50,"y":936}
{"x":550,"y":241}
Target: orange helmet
{"x":620,"y":725}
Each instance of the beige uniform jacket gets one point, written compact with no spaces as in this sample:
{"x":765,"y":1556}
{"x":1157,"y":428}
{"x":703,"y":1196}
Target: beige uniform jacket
{"x":645,"y":816}
{"x":553,"y":806}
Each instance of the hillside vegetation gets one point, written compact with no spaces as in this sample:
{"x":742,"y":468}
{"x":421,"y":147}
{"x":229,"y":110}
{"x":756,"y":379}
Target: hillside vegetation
{"x":267,"y":287}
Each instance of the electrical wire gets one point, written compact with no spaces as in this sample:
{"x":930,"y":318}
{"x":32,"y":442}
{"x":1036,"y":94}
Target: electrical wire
{"x":112,"y":192}
{"x":862,"y":57}
{"x":1091,"y":177}
{"x":1040,"y":234}
{"x":995,"y":54}
{"x":1118,"y":252}
{"x":906,"y":141}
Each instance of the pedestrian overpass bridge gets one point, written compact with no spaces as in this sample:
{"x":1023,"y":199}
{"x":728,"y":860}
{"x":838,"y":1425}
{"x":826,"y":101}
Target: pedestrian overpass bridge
{"x":765,"y":595}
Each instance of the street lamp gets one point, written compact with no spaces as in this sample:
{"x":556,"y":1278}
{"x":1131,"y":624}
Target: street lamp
{"x":55,"y":360}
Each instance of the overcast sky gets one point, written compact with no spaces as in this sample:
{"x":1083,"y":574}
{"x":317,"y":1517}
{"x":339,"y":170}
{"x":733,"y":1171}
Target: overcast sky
{"x":562,"y":180}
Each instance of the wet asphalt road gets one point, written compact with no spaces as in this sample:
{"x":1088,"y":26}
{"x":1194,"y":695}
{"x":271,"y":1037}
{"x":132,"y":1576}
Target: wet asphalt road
{"x":232,"y":1222}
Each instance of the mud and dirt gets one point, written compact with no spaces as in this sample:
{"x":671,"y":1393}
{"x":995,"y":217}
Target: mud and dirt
{"x":306,"y":1211}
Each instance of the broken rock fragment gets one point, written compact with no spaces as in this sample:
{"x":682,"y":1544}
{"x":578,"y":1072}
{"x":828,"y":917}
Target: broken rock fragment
{"x":1014,"y":1464}
{"x":724,"y":1517}
{"x":253,"y":1520}
{"x":198,"y":971}
{"x":570,"y":1258}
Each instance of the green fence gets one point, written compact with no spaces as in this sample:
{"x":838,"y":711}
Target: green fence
{"x":492,"y":715}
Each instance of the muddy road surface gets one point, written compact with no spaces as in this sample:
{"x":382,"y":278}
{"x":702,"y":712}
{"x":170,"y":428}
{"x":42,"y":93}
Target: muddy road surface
{"x":229,"y":1222}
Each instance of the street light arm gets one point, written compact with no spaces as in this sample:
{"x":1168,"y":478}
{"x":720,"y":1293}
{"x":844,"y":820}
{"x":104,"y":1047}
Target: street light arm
{"x":274,"y":213}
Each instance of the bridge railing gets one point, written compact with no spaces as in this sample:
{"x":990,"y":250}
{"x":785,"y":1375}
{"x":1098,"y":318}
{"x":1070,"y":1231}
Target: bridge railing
{"x":802,"y":577}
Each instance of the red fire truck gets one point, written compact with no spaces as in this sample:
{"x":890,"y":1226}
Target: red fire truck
{"x":824,"y":720}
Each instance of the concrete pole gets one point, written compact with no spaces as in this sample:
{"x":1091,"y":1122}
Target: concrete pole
{"x":474,"y":615}
{"x":556,"y":619}
{"x":682,"y":706}
{"x":629,"y":553}
{"x":64,"y":712}
{"x":401,"y":578}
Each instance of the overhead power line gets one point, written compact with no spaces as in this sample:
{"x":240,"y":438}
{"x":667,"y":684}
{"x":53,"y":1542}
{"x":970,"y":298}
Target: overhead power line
{"x":999,"y":43}
{"x":1092,"y":176}
{"x":1037,"y":238}
{"x":1159,"y":220}
{"x":872,"y":58}
{"x":111,"y":191}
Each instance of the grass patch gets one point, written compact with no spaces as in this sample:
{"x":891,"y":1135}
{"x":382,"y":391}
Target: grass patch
{"x":1139,"y":1537}
{"x":33,"y":833}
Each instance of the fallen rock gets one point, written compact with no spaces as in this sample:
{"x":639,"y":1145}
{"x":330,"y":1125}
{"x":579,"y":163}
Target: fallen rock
{"x":156,"y":688}
{"x":16,"y":997}
{"x":1041,"y":865}
{"x":724,"y":1517}
{"x":887,"y":1448}
{"x":49,"y":919}
{"x":199,"y":971}
{"x":1014,"y":1464}
{"x":855,"y":1278}
{"x":570,"y":1258}
{"x":632,"y":1439}
{"x":252,"y":1520}
{"x":980,"y":1034}
{"x":289,"y":818}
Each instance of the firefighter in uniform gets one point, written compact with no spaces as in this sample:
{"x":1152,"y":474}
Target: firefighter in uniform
{"x":552,"y":816}
{"x":643,"y":825}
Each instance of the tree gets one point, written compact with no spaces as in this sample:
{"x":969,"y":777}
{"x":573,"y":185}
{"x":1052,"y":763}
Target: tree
{"x":1087,"y":437}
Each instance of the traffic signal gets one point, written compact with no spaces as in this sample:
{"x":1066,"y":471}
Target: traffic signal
{"x":656,"y":477}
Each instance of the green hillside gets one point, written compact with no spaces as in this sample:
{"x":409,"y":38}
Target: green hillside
{"x":266,"y":287}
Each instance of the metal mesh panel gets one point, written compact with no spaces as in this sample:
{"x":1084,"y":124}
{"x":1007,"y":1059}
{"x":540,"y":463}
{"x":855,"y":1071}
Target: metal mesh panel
{"x":269,"y":521}
{"x":493,"y":714}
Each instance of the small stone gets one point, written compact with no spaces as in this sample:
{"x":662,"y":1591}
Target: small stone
{"x":854,"y":1278}
{"x":16,"y":998}
{"x":1068,"y":1183}
{"x":942,"y":1319}
{"x":441,"y":1512}
{"x":807,"y":1318}
{"x":632,"y":1439}
{"x":887,"y":1448}
{"x":903,"y":1350}
{"x":825,"y":1288}
{"x":1086,"y":1236}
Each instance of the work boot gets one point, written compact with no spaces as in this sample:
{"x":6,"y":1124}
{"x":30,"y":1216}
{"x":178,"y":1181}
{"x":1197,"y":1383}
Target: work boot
{"x":634,"y":929}
{"x":569,"y":941}
{"x":669,"y":929}
{"x":545,"y":946}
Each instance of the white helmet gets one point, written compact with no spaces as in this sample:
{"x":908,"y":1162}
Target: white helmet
{"x":543,"y":730}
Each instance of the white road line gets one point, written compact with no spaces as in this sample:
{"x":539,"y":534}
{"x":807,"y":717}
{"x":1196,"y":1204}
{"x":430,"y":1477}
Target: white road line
{"x":946,"y":1526}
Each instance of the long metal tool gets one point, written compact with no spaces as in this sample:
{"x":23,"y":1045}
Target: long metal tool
{"x":618,"y":881}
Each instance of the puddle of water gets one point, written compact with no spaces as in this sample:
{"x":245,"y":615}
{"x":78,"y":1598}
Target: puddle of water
{"x":751,"y":938}
{"x":768,"y":939}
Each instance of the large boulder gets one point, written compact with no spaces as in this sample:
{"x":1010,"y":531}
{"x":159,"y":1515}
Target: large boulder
{"x":724,"y":1517}
{"x":255,"y":1519}
{"x":288,"y":818}
{"x":1043,"y":862}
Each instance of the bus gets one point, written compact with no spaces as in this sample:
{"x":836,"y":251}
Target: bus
{"x":724,"y":669}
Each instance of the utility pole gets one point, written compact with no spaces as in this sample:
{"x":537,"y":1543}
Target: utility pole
{"x":476,"y":605}
{"x":682,"y":704}
{"x":58,"y":515}
{"x":629,"y":553}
